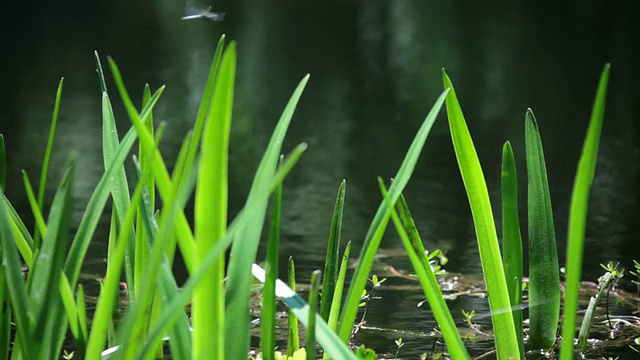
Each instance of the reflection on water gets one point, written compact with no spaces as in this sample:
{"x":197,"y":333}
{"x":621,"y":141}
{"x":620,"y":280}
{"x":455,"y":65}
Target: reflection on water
{"x":375,"y":70}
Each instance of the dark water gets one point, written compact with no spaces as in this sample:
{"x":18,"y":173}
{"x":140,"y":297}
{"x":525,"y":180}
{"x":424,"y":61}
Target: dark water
{"x":375,"y":73}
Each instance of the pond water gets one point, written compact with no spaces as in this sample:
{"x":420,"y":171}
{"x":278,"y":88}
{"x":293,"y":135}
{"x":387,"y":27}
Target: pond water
{"x":375,"y":73}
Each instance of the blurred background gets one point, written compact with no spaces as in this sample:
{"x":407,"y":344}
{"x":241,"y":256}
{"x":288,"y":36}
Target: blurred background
{"x":375,"y":72}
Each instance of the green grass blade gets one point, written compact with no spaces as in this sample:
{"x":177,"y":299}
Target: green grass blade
{"x":3,"y":163}
{"x":35,"y":208}
{"x":512,"y":257}
{"x":180,"y":335}
{"x":172,"y":309}
{"x":328,"y":339}
{"x":268,"y":312}
{"x":544,"y":273}
{"x":47,"y":157}
{"x":44,"y":276}
{"x":413,"y":244}
{"x":98,"y":200}
{"x":160,"y":173}
{"x":380,"y":220}
{"x":15,"y":285}
{"x":110,"y":286}
{"x":21,"y":235}
{"x":244,"y":249}
{"x":207,"y":307}
{"x":333,"y":254}
{"x":293,"y":333}
{"x":311,"y":319}
{"x":476,"y":187}
{"x":336,"y":302}
{"x":578,"y":215}
{"x":120,"y":188}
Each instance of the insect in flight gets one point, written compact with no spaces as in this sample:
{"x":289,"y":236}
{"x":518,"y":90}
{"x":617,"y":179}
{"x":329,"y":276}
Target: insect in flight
{"x":204,"y":14}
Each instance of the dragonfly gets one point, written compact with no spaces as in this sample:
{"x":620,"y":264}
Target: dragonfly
{"x":203,"y":14}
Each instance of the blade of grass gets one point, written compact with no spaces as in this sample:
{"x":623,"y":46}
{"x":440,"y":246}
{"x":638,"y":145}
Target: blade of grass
{"x":544,"y":272}
{"x":47,"y":269}
{"x":413,"y":244}
{"x":268,"y":312}
{"x":512,"y":240}
{"x":35,"y":208}
{"x":160,"y":173}
{"x":380,"y":220}
{"x":475,"y":185}
{"x":311,"y":319}
{"x":208,"y":307}
{"x":23,"y":314}
{"x":21,"y":235}
{"x":327,"y":338}
{"x":120,"y":188}
{"x":244,"y":249}
{"x":578,"y":216}
{"x":47,"y":158}
{"x":293,"y":333}
{"x":171,"y":311}
{"x":333,"y":254}
{"x":98,"y":200}
{"x":109,"y":289}
{"x":179,"y":334}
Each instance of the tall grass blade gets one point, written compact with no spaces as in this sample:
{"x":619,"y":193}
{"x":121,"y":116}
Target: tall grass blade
{"x":293,"y":333}
{"x":208,"y":314}
{"x":22,"y":237}
{"x":512,"y":256}
{"x":415,"y":249}
{"x":578,"y":216}
{"x":244,"y":249}
{"x":380,"y":220}
{"x":268,"y":312}
{"x":172,"y":309}
{"x":120,"y":188}
{"x":544,"y":273}
{"x":311,"y":319}
{"x":110,"y":286}
{"x":23,"y":314}
{"x":180,"y":335}
{"x":336,"y":302}
{"x":33,"y":202}
{"x":476,"y":187}
{"x":328,"y":340}
{"x":47,"y":157}
{"x":333,"y":254}
{"x":44,"y":276}
{"x":98,"y":200}
{"x":160,"y":173}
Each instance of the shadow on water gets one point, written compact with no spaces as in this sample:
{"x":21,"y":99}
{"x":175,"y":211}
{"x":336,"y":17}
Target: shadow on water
{"x":375,"y":69}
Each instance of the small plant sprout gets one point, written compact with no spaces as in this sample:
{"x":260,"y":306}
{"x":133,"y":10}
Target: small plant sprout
{"x":67,"y":355}
{"x":399,"y":345}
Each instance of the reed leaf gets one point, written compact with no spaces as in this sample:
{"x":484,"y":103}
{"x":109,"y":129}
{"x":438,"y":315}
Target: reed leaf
{"x":244,"y":249}
{"x":211,"y":200}
{"x":415,"y":249}
{"x":293,"y":334}
{"x":544,"y":273}
{"x":380,"y":220}
{"x":476,"y":187}
{"x":313,"y":311}
{"x":268,"y":312}
{"x":578,"y":215}
{"x":512,"y":256}
{"x":333,"y":254}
